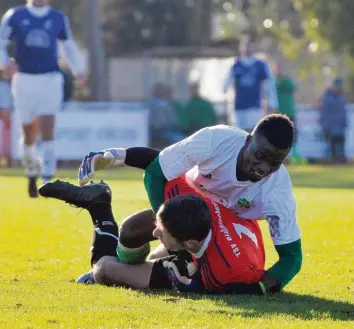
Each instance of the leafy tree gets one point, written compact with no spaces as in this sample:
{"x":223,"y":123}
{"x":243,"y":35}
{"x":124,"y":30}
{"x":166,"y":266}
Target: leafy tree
{"x":135,"y":25}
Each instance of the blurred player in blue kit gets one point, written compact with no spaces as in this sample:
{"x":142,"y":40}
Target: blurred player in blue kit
{"x":37,"y":84}
{"x":251,"y":77}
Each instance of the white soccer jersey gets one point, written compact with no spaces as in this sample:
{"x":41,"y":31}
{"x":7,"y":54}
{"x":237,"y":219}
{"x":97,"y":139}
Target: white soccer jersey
{"x":209,"y":158}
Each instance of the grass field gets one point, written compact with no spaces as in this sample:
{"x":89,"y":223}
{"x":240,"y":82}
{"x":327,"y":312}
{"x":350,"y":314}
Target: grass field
{"x":44,"y":246}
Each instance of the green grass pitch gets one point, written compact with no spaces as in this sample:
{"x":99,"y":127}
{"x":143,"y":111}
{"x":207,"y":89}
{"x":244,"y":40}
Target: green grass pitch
{"x":44,"y":246}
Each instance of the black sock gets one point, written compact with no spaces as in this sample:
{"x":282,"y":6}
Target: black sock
{"x":103,"y":244}
{"x":102,"y":217}
{"x":105,"y":235}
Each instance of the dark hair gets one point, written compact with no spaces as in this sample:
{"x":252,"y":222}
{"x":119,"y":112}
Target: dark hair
{"x":278,"y":129}
{"x":186,"y":217}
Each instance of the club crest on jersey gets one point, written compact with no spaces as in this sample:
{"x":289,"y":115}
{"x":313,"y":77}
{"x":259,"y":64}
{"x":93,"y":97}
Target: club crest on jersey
{"x":244,"y":203}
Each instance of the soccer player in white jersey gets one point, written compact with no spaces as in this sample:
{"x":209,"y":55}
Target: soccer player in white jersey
{"x":37,"y":84}
{"x":244,"y":172}
{"x":251,"y":77}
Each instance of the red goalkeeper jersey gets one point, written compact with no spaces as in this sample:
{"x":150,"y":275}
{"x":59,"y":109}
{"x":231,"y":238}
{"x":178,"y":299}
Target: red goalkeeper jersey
{"x":233,"y":251}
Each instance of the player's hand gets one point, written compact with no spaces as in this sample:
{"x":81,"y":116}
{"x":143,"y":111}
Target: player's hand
{"x":181,"y":282}
{"x":9,"y":69}
{"x":270,"y":283}
{"x":98,"y":161}
{"x":80,"y":81}
{"x":92,"y":162}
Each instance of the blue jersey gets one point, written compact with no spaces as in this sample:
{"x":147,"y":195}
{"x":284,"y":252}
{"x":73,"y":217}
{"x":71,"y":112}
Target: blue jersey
{"x":248,"y":79}
{"x":36,"y":38}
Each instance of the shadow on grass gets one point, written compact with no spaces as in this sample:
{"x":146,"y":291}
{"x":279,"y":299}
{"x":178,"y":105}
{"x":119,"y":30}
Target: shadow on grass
{"x":305,"y":307}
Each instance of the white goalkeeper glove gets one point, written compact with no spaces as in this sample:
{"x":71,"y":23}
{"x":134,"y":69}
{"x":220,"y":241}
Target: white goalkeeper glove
{"x":98,"y":161}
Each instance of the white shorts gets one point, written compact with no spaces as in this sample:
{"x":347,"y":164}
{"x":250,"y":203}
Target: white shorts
{"x":5,"y":95}
{"x":248,"y":119}
{"x":37,"y":94}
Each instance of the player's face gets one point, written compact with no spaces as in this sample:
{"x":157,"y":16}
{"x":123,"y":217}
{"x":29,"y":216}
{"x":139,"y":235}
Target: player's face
{"x":38,"y":3}
{"x":247,"y":48}
{"x":260,"y":158}
{"x":166,"y":238}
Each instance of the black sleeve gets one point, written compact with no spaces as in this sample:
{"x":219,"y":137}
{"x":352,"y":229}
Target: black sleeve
{"x":140,"y":157}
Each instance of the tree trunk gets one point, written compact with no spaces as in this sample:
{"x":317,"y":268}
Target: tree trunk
{"x":99,"y":83}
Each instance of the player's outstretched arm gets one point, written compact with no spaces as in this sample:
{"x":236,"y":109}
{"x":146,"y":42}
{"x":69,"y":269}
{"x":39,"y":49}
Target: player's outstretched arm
{"x":137,"y":157}
{"x":159,"y":167}
{"x":280,"y":212}
{"x":288,"y":265}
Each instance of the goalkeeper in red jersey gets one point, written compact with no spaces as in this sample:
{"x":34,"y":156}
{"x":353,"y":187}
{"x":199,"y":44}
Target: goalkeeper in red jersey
{"x":215,"y":252}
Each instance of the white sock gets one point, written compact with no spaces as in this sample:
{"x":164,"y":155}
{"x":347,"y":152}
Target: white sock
{"x":29,"y":161}
{"x":48,"y":160}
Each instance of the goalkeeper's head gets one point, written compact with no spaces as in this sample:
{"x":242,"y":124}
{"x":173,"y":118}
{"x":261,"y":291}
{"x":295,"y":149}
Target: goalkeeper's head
{"x":183,"y":223}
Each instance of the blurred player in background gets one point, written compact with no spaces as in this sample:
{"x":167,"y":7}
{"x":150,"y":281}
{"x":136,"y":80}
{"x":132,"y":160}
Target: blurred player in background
{"x":224,"y":253}
{"x":286,"y":88}
{"x":37,"y":83}
{"x":250,"y":77}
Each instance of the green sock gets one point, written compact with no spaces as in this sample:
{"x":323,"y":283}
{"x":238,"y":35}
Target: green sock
{"x":133,"y":255}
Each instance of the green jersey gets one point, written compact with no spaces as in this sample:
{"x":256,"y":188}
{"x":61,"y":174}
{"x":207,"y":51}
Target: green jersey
{"x":285,"y":90}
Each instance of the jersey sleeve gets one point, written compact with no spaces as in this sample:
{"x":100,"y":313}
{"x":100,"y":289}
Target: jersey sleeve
{"x":280,"y":213}
{"x":69,"y":49}
{"x":6,"y":30}
{"x":179,"y":158}
{"x":65,"y":32}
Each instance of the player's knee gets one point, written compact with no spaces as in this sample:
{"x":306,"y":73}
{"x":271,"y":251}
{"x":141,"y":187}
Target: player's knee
{"x":128,"y":235}
{"x":137,"y":230}
{"x":101,"y":270}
